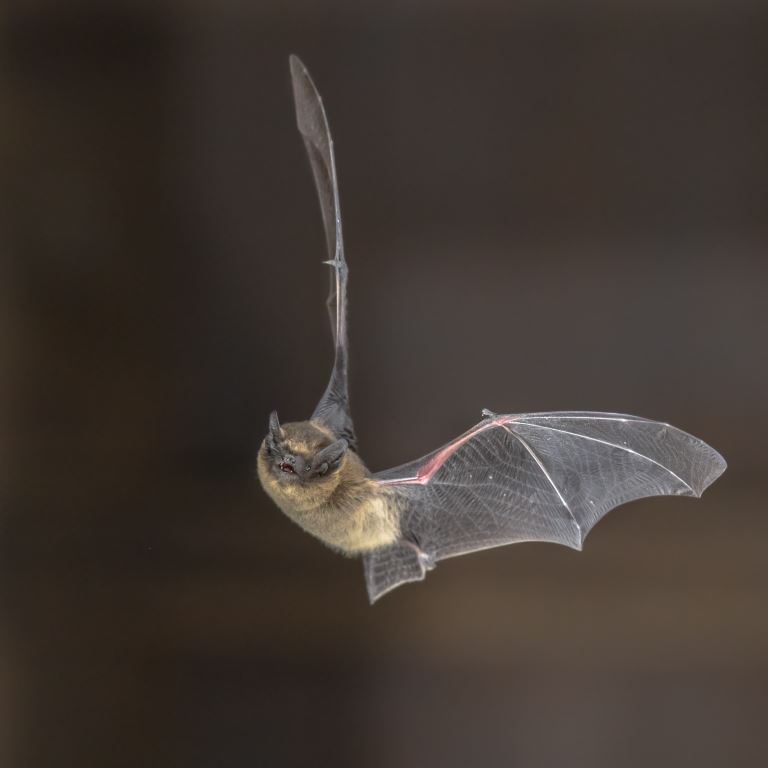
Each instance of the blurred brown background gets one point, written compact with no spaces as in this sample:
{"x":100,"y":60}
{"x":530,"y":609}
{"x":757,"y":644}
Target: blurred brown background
{"x":547,"y":205}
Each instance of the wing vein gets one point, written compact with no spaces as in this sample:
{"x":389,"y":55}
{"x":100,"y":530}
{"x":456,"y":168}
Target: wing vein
{"x":585,"y":416}
{"x":612,"y":445}
{"x":544,"y":470}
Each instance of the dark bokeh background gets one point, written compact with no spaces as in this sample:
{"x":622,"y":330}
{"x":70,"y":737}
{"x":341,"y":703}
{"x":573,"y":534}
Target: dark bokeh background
{"x":547,"y":205}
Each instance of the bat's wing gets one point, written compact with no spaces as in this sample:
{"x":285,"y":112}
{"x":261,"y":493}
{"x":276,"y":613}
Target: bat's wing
{"x":333,"y":408}
{"x":534,"y":477}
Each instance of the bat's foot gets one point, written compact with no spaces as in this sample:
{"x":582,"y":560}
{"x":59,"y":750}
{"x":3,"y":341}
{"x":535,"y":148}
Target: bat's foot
{"x":426,"y":560}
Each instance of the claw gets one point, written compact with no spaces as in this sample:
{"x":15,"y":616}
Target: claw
{"x":338,"y":264}
{"x":488,"y":414}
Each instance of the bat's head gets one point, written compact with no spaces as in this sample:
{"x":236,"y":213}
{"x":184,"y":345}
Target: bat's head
{"x":300,"y":453}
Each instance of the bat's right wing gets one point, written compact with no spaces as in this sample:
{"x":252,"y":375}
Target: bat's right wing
{"x":333,"y":408}
{"x":534,"y":477}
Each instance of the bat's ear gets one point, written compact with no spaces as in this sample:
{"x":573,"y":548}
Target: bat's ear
{"x":275,"y":430}
{"x":329,"y":457}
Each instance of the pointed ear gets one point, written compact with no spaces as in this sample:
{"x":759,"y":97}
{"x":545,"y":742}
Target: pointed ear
{"x":330,"y":455}
{"x":274,"y":427}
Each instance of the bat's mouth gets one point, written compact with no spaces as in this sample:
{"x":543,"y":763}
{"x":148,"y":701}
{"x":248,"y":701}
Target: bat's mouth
{"x":284,"y":466}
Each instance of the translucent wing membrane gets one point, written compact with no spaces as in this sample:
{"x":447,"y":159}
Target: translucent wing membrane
{"x":313,"y":126}
{"x":333,"y":408}
{"x":535,"y":477}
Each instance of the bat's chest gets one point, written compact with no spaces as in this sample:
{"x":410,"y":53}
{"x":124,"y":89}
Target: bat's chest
{"x":354,"y":524}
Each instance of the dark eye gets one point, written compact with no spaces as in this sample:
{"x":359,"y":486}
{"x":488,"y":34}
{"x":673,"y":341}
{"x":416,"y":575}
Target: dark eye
{"x":307,"y":467}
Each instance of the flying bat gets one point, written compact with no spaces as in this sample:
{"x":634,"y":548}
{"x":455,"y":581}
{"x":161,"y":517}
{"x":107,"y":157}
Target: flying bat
{"x":510,"y":478}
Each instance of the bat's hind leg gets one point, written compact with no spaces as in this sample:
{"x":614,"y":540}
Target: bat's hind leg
{"x":426,"y":560}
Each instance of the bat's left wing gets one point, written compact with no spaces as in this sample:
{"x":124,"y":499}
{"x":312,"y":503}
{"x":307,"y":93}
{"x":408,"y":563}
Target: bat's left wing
{"x":333,"y":408}
{"x":535,"y":477}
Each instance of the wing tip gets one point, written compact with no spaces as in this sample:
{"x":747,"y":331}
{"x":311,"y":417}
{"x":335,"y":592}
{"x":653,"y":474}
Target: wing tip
{"x":301,"y":80}
{"x":296,"y":64}
{"x":717,"y":466}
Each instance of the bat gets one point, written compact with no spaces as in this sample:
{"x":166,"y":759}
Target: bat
{"x":510,"y":478}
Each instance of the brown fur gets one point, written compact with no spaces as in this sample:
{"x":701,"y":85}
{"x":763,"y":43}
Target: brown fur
{"x":346,"y":509}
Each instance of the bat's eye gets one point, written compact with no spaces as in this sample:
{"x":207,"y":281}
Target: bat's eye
{"x":307,"y":467}
{"x":286,"y":467}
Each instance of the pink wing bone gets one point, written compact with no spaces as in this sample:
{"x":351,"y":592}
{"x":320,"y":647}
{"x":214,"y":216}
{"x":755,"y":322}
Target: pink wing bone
{"x":427,"y":470}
